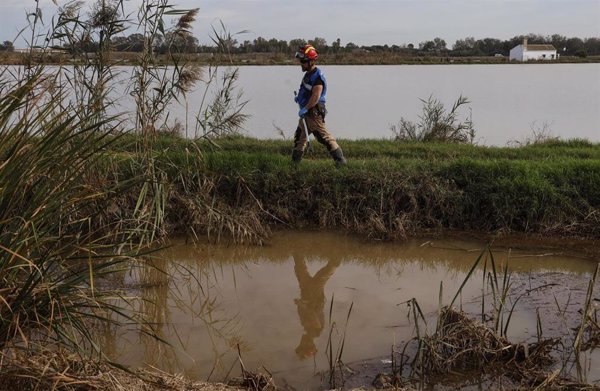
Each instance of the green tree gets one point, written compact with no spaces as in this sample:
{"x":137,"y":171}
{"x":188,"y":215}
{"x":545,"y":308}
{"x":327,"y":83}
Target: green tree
{"x":489,"y":46}
{"x":246,"y":46}
{"x":592,"y":46}
{"x":131,"y":43}
{"x":351,"y":46}
{"x":177,"y":43}
{"x":427,"y":46}
{"x":7,"y":46}
{"x":297,"y":43}
{"x":336,"y":46}
{"x":439,"y":44}
{"x":277,"y":46}
{"x":575,"y":46}
{"x":464,"y":47}
{"x":559,"y":42}
{"x":261,"y":45}
{"x":319,"y":43}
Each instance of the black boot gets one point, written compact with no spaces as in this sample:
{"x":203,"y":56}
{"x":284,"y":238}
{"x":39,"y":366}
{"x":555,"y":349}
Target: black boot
{"x":297,"y":156}
{"x":338,"y":156}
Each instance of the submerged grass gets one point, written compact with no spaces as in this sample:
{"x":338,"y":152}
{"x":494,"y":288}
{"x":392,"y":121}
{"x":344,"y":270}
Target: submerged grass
{"x":463,"y":348}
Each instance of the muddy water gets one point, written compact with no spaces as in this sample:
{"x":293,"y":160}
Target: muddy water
{"x":275,"y":302}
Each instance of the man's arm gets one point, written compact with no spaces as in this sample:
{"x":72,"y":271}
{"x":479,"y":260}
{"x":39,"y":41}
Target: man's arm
{"x":314,"y":96}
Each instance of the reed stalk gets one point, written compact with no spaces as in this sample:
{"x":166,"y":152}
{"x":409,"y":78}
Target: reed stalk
{"x":334,"y":360}
{"x":73,"y":210}
{"x":53,"y":241}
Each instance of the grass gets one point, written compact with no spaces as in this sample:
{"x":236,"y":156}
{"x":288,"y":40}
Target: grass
{"x":389,"y":189}
{"x":370,"y":149}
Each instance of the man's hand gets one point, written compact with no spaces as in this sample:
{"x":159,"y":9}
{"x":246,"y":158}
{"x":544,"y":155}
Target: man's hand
{"x":302,"y":112}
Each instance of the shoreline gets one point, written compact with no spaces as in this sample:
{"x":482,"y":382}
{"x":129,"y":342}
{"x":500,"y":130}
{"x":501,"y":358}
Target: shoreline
{"x":266,"y":59}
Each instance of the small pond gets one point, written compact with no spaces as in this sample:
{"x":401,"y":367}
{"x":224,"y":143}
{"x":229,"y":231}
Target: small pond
{"x":277,"y":303}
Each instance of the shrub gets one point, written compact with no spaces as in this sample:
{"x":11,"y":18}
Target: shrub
{"x":437,"y":124}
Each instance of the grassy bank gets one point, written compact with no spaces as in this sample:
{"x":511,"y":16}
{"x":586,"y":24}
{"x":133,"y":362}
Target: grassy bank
{"x":389,"y":189}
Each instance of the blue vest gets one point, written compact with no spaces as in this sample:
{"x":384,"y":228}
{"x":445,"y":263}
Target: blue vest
{"x":308,"y":81}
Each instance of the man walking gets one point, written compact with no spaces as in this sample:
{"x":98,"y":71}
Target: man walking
{"x":311,"y":98}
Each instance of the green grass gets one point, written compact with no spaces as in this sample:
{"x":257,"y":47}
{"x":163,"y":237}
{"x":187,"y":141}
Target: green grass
{"x":375,"y":149}
{"x":392,"y":189}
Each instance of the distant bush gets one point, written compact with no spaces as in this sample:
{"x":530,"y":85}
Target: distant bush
{"x":539,"y":135}
{"x":7,"y":46}
{"x":437,"y":124}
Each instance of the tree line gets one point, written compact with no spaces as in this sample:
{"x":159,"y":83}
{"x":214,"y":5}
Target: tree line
{"x":469,"y":46}
{"x":569,"y":46}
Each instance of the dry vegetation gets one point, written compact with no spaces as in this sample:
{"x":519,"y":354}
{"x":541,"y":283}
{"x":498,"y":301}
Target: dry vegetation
{"x":462,"y":347}
{"x":60,"y":370}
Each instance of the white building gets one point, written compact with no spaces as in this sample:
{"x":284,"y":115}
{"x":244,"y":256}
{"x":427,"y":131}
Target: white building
{"x":525,"y":52}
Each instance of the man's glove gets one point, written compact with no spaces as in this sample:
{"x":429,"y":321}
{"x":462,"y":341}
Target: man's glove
{"x":296,"y":99}
{"x":302,"y":112}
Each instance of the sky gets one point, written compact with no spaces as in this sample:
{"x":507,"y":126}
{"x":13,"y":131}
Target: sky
{"x":365,"y":22}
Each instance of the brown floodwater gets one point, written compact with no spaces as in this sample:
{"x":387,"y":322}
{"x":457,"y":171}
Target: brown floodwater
{"x":279,"y":303}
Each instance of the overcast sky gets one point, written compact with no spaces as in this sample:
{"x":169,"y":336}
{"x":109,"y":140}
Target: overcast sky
{"x":364,"y":22}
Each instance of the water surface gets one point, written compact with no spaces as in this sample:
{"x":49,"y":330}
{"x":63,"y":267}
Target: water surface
{"x":508,"y":101}
{"x":274,"y":302}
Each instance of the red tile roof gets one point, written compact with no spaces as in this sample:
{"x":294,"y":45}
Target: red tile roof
{"x":533,"y":48}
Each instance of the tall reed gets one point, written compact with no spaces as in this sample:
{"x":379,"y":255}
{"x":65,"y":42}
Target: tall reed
{"x":68,"y":218}
{"x":54,"y":243}
{"x":90,"y":77}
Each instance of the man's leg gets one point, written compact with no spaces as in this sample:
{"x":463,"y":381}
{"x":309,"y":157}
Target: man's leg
{"x":317,"y":126}
{"x":300,"y":142}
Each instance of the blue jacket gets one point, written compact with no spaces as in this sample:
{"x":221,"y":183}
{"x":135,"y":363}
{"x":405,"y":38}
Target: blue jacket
{"x":308,"y":81}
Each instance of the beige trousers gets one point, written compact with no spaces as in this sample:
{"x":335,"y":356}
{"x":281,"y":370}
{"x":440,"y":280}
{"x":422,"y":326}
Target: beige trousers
{"x":316,"y":126}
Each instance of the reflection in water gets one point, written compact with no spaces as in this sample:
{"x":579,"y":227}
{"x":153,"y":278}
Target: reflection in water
{"x":311,"y":302}
{"x":206,"y":300}
{"x":156,"y":311}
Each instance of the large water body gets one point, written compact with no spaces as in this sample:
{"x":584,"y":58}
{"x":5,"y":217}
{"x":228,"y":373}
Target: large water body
{"x":275,"y":302}
{"x":508,"y":102}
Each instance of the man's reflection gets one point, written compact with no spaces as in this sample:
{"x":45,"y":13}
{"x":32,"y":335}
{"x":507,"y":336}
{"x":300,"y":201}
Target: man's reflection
{"x":311,"y":302}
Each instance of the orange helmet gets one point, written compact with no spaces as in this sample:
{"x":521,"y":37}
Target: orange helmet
{"x":307,"y":53}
